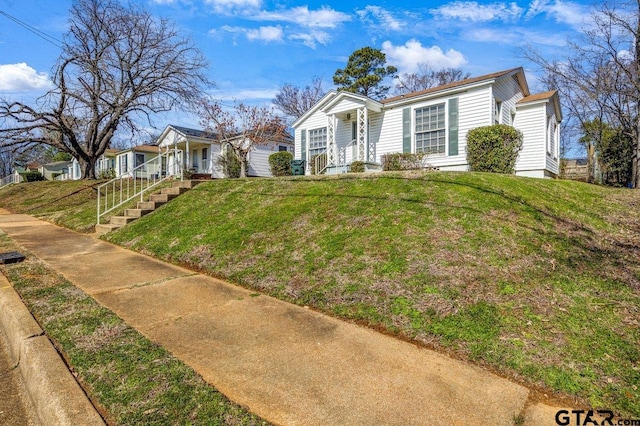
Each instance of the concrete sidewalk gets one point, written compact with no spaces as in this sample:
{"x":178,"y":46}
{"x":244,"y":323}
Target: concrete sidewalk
{"x":288,"y":364}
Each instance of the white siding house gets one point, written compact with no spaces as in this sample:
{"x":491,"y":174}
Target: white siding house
{"x":349,"y":127}
{"x":200,"y":151}
{"x":134,"y":158}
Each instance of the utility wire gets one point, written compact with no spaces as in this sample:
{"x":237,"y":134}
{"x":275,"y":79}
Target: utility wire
{"x":43,"y":35}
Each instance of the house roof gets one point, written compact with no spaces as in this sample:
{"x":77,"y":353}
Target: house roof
{"x":550,"y":96}
{"x":538,"y":97}
{"x":465,"y":82}
{"x":145,"y":148}
{"x":357,"y":97}
{"x":193,"y":132}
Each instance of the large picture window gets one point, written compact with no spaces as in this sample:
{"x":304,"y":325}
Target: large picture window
{"x":430,"y":129}
{"x":317,"y":141}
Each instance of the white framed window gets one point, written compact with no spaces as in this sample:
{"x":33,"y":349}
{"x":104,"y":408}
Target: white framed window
{"x":139,"y":159}
{"x":317,"y":141}
{"x":430,"y":129}
{"x":123,"y":163}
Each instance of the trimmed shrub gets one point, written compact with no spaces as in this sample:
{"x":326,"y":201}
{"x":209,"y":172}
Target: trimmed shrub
{"x":280,"y":163}
{"x":230,"y":163}
{"x":357,"y":167}
{"x":32,"y":176}
{"x":107,"y":174}
{"x":402,"y":161}
{"x":493,"y":148}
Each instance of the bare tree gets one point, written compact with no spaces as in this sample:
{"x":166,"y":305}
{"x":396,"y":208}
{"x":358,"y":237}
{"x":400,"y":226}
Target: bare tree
{"x":118,"y":65}
{"x":426,"y":78}
{"x":599,"y":79}
{"x":242,"y":128}
{"x":294,"y":101}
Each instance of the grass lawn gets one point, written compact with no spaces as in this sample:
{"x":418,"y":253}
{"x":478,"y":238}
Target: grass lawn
{"x":536,"y":279}
{"x":131,"y":380}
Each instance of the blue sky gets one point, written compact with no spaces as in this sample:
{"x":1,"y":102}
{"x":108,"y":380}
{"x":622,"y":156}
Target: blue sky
{"x":255,"y":46}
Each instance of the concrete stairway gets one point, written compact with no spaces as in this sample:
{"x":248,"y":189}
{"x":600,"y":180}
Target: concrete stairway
{"x":145,"y":207}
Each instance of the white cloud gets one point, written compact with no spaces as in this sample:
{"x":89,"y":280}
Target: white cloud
{"x":324,"y":17}
{"x":564,"y":12}
{"x":513,"y":36}
{"x":407,"y":57}
{"x":246,"y":94}
{"x":312,"y":38}
{"x":475,"y":12}
{"x":381,"y":16}
{"x":227,"y":6}
{"x":266,"y":34}
{"x":21,"y":78}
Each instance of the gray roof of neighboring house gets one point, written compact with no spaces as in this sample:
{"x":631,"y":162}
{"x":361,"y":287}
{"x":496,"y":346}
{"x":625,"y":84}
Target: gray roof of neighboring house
{"x":194,"y":132}
{"x":56,"y":164}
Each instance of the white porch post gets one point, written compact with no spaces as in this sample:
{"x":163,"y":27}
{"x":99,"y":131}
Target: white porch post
{"x":362,"y":137}
{"x":187,"y":153}
{"x":331,"y":140}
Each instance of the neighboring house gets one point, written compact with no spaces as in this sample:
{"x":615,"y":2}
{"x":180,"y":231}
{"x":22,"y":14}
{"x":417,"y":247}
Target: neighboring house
{"x":199,"y":152}
{"x":348,"y":127}
{"x":56,"y":170}
{"x":129,"y":159}
{"x":106,"y":163}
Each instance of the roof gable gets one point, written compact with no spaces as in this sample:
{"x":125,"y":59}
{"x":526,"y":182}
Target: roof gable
{"x":323,"y":101}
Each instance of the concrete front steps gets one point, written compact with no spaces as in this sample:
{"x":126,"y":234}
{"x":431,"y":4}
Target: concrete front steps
{"x":145,"y":207}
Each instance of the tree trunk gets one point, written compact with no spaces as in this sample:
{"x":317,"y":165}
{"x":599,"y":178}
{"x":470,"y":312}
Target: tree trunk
{"x":243,"y":167}
{"x":88,"y":168}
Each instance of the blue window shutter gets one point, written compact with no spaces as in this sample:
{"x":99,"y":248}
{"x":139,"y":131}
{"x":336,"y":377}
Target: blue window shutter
{"x":453,"y":126}
{"x":303,"y":144}
{"x":406,"y":130}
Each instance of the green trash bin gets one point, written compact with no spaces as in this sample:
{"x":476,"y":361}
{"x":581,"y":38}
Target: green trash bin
{"x":297,"y":167}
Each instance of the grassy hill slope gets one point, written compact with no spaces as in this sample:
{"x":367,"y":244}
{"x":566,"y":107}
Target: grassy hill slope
{"x":536,"y":279}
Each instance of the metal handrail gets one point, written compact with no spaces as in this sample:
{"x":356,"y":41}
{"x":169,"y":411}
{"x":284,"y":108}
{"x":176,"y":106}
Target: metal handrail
{"x":320,"y":162}
{"x":136,"y":182}
{"x":342,"y":155}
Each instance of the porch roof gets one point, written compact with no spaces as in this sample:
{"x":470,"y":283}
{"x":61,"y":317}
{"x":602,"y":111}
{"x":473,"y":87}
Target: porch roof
{"x":186,"y":134}
{"x":345,"y":101}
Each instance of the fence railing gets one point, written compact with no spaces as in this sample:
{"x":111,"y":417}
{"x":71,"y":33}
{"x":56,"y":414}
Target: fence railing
{"x":8,"y":180}
{"x":136,"y":182}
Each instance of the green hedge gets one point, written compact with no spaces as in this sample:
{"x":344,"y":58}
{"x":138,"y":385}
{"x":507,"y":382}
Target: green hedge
{"x":493,"y":148}
{"x":32,"y":176}
{"x":280,"y":163}
{"x":402,"y":161}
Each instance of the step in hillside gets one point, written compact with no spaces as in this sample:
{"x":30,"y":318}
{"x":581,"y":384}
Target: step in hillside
{"x":145,"y":207}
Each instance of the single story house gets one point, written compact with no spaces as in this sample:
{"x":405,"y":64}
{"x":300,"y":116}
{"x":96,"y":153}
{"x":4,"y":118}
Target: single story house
{"x":199,"y":152}
{"x":56,"y":170}
{"x":129,"y":159}
{"x":351,"y":127}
